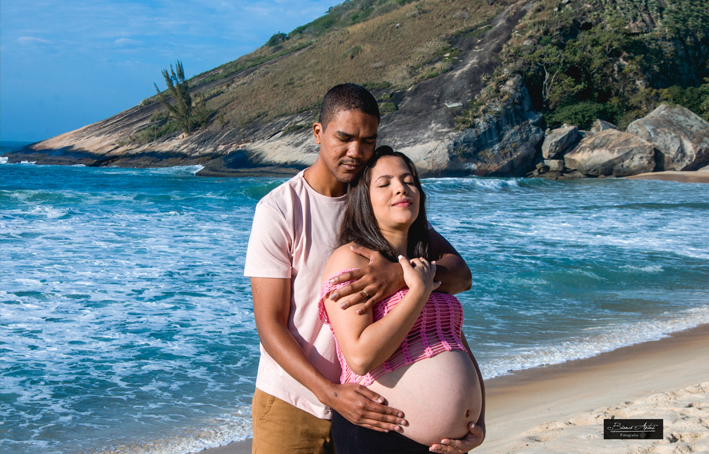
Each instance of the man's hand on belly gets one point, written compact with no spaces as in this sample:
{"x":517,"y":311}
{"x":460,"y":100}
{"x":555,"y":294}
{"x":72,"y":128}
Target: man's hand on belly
{"x":475,"y":437}
{"x":364,"y":408}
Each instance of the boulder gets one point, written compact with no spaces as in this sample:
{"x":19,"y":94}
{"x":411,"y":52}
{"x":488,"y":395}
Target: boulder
{"x":680,"y":136}
{"x":601,"y":125}
{"x":558,"y":141}
{"x":555,"y":165}
{"x":612,"y":152}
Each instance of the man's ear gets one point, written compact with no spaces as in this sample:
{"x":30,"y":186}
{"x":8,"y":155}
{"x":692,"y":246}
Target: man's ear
{"x":317,"y":131}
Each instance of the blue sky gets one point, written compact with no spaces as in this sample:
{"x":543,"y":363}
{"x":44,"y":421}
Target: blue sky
{"x":68,"y":63}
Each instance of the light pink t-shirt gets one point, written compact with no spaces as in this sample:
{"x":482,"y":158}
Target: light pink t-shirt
{"x":292,"y":237}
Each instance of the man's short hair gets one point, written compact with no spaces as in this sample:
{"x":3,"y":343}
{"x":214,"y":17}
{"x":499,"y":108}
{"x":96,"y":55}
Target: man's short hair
{"x":347,"y":97}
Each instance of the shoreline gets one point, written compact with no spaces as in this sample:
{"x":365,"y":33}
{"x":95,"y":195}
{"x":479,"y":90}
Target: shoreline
{"x":694,"y":176}
{"x":285,"y":171}
{"x":561,"y":407}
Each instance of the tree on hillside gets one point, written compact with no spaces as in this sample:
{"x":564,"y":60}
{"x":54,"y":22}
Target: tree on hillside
{"x":178,"y":89}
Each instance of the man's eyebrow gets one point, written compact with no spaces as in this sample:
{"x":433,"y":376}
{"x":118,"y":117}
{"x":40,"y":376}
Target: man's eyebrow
{"x":347,"y":134}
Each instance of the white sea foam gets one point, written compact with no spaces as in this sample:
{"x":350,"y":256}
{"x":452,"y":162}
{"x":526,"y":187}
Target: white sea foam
{"x":606,"y":339}
{"x":213,"y":432}
{"x":178,"y":170}
{"x":474,"y":183}
{"x":48,"y":211}
{"x":652,"y":269}
{"x":3,"y":159}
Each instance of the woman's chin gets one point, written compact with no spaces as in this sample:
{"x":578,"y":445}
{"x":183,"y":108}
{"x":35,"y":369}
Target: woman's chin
{"x":402,"y":224}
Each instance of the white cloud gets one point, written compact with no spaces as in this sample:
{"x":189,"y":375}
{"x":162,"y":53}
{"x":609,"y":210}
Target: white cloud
{"x":27,"y":40}
{"x":126,"y":42}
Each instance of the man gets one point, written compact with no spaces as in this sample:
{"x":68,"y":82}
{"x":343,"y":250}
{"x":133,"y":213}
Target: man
{"x":294,"y":231}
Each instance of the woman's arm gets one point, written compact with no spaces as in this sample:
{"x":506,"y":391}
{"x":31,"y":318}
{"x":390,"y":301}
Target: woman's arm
{"x":367,"y":344}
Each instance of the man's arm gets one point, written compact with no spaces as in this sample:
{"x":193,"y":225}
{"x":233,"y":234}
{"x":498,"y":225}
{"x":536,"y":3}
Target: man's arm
{"x":356,"y":403}
{"x":451,"y":269}
{"x":381,"y":277}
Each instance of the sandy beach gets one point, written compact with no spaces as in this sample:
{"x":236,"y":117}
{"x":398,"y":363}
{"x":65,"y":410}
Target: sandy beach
{"x":701,"y":176}
{"x":561,"y":408}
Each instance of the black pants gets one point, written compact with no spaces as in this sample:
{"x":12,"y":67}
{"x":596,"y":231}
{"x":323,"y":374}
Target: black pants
{"x":352,"y":439}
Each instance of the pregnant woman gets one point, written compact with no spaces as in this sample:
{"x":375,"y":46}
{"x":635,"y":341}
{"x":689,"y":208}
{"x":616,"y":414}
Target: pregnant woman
{"x":409,"y":347}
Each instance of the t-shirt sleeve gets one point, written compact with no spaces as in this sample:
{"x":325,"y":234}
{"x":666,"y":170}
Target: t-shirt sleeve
{"x":269,"y":251}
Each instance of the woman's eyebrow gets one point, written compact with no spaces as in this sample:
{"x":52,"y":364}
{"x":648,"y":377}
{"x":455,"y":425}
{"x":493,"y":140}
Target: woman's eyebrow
{"x":407,"y":174}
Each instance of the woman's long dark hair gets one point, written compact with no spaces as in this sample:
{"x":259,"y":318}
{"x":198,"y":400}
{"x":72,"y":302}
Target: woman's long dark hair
{"x":359,"y":224}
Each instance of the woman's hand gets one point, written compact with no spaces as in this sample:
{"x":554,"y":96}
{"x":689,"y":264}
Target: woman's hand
{"x":419,"y":275}
{"x":475,"y":437}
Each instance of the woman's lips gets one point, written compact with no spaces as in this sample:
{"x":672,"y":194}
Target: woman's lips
{"x":403,"y":203}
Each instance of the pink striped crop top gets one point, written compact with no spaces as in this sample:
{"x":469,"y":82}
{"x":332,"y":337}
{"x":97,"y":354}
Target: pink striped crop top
{"x":437,"y":329}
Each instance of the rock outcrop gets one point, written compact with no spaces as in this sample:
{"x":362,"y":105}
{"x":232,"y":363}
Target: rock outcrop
{"x":612,"y":153}
{"x":602,"y":125}
{"x":558,"y":141}
{"x":423,"y":126}
{"x":555,"y":165}
{"x":680,"y":136}
{"x":503,"y":143}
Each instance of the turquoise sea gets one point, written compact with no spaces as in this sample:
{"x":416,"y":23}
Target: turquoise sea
{"x":126,"y":323}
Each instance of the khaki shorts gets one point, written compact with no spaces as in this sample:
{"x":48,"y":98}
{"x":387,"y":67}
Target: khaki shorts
{"x":281,"y":428}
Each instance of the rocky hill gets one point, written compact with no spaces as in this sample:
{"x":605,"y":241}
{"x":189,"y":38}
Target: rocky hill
{"x":466,"y":86}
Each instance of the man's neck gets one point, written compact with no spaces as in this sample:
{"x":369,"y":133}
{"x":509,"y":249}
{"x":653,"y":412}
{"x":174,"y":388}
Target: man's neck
{"x":323,"y":181}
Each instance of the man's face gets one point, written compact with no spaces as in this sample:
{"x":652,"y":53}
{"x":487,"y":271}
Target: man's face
{"x":347,"y":143}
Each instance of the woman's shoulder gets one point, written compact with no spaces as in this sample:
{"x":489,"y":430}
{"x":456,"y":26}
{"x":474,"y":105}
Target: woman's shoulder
{"x":343,"y":259}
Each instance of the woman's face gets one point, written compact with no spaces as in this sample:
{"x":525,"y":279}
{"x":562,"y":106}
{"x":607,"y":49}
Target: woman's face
{"x":394,"y":196}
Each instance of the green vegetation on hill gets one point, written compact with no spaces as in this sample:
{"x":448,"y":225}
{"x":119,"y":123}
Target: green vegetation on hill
{"x":615,"y":60}
{"x":581,"y":60}
{"x":386,"y":45}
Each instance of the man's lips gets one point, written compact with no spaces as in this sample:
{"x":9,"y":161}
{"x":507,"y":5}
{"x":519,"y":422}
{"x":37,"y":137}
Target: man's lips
{"x":351,"y":165}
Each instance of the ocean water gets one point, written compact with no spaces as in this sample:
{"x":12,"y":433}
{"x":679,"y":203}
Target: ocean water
{"x":126,"y":323}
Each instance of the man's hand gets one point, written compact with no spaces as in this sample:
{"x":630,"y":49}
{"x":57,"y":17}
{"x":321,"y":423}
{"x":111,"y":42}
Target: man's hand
{"x":475,"y":437}
{"x":373,"y":282}
{"x":364,"y":408}
{"x":381,"y":277}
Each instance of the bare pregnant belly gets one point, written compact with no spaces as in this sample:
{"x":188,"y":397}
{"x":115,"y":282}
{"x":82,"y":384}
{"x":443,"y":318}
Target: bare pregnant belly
{"x":439,"y":396}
